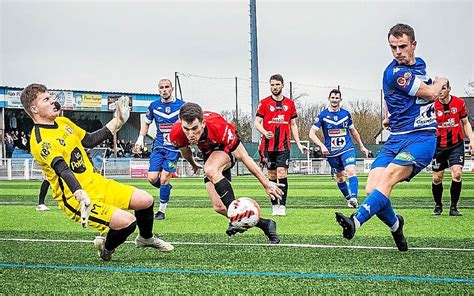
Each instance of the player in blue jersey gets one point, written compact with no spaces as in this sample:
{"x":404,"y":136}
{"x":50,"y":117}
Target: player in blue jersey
{"x":164,"y":156}
{"x":338,"y":128}
{"x":409,"y":95}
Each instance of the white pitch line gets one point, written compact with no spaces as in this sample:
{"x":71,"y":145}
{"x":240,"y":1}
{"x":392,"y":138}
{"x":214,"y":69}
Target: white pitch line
{"x":247,"y":245}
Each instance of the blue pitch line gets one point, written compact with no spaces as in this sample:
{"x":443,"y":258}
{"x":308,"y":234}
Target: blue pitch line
{"x":245,"y":273}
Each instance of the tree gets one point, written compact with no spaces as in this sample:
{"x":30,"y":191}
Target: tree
{"x":366,"y":119}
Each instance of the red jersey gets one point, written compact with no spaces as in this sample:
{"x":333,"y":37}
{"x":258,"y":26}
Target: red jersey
{"x":276,"y":119}
{"x":448,"y":117}
{"x":218,"y":135}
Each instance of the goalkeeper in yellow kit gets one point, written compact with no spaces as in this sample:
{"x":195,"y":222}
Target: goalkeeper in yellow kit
{"x":58,"y":145}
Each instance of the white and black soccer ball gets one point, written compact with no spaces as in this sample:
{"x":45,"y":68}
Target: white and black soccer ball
{"x":244,"y":213}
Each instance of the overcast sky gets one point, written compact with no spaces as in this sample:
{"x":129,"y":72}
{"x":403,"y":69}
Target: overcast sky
{"x":130,"y":45}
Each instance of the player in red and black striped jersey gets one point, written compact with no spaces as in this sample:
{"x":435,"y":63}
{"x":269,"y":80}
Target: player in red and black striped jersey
{"x":276,"y":119}
{"x":451,"y":116}
{"x":220,"y":145}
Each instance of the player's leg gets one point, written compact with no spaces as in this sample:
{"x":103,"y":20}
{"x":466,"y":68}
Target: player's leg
{"x":270,"y":161}
{"x":169,"y":167}
{"x":438,"y":165}
{"x":154,"y":172}
{"x":42,"y":195}
{"x":349,"y":162}
{"x":456,"y":162}
{"x":338,"y":169}
{"x":214,"y":166}
{"x":282,"y":163}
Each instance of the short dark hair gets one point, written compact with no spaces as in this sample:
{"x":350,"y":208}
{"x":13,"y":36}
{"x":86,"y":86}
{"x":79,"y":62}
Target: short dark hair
{"x":335,"y":91}
{"x":402,"y":29}
{"x":29,"y":94}
{"x":277,"y":77}
{"x":447,"y":83}
{"x":190,"y":111}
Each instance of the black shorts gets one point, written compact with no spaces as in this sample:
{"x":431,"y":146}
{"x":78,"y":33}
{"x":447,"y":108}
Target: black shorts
{"x":448,"y":157}
{"x":275,"y":159}
{"x":226,"y":173}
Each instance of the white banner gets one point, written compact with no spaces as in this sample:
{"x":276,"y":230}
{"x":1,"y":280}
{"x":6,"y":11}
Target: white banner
{"x":13,"y":99}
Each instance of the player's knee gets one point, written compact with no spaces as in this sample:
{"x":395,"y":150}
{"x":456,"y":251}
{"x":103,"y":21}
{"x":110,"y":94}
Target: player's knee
{"x":121,"y":219}
{"x":272,"y":175}
{"x":141,"y":200}
{"x":350,"y":172}
{"x":437,"y":179}
{"x":152,"y":179}
{"x":212,"y":173}
{"x":457,"y":176}
{"x":281,"y":173}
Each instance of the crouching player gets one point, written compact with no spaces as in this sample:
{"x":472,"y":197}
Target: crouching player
{"x":220,"y":146}
{"x":57,"y":144}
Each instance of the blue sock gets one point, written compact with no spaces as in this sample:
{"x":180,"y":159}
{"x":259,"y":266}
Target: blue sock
{"x":372,"y":205}
{"x":344,"y":189}
{"x":354,"y":186}
{"x":165,"y":191}
{"x":387,"y":215}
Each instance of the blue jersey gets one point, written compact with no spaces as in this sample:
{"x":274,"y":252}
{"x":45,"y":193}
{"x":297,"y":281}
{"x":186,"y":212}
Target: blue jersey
{"x":165,"y":116}
{"x":336,"y":126}
{"x":408,"y":113}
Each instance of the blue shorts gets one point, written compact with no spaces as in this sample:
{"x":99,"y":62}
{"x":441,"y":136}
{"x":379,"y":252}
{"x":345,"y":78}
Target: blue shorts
{"x":338,"y":163}
{"x":414,"y":149}
{"x":163,"y":159}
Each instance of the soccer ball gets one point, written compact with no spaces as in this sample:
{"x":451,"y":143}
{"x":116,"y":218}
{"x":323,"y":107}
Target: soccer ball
{"x":244,"y":213}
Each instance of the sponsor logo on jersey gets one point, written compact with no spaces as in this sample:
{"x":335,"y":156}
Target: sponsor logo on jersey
{"x":405,"y":156}
{"x":165,"y":127}
{"x":285,"y":107}
{"x":279,"y":119}
{"x":45,"y":146}
{"x":336,"y":132}
{"x":77,"y":163}
{"x":454,"y":110}
{"x":272,"y":109}
{"x":68,"y":129}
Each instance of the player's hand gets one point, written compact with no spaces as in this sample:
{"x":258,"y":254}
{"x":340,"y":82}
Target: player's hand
{"x":302,"y":149}
{"x":365,"y":151}
{"x":471,"y":145}
{"x":86,"y":205}
{"x":268,"y":134}
{"x":324,"y":151}
{"x":138,"y":145}
{"x":273,"y":190}
{"x":122,"y":110}
{"x":196,"y":167}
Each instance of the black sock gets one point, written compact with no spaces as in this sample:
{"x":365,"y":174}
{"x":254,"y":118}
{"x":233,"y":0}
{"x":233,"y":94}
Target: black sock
{"x":225,"y":191}
{"x":43,"y":192}
{"x":437,"y":190}
{"x":117,"y":237}
{"x":455,"y":193}
{"x":283,"y":181}
{"x":145,"y":221}
{"x":273,"y":201}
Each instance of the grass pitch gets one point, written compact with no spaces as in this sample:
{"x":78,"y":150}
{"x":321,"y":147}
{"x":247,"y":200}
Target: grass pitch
{"x":45,"y":253}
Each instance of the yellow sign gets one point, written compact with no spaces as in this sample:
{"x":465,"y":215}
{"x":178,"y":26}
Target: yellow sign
{"x":91,"y":101}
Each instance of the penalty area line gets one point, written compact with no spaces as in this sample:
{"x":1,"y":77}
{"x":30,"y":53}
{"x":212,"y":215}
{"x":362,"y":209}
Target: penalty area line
{"x":316,"y":246}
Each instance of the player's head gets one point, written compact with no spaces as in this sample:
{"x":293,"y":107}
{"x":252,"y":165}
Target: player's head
{"x":276,"y":84}
{"x":192,"y":122}
{"x":38,"y":103}
{"x":401,"y":39}
{"x":165,"y":88}
{"x":444,"y":92}
{"x":335,"y":98}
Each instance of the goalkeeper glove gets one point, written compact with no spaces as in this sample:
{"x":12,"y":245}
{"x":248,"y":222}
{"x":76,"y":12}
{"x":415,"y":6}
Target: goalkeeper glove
{"x":86,"y":205}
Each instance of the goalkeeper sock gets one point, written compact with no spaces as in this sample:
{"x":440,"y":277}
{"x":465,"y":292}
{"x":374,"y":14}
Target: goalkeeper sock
{"x":145,"y":221}
{"x":117,"y":237}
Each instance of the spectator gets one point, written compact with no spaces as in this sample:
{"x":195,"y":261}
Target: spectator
{"x":10,"y":145}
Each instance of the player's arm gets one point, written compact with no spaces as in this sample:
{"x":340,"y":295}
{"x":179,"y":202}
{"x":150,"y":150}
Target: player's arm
{"x":468,"y":132}
{"x":259,"y":126}
{"x":430,"y":92}
{"x":61,"y":169}
{"x":296,"y":136}
{"x":141,"y":136}
{"x":187,"y":154}
{"x":314,"y":137}
{"x":271,"y":188}
{"x":356,"y":136}
{"x":93,"y":139}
